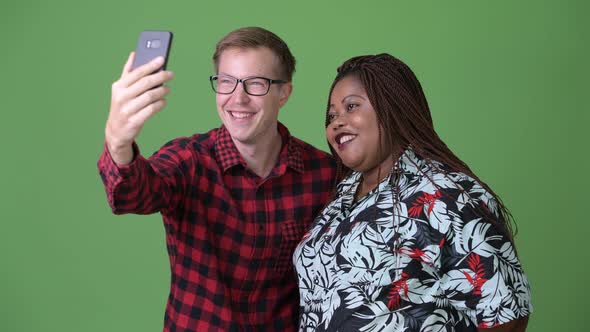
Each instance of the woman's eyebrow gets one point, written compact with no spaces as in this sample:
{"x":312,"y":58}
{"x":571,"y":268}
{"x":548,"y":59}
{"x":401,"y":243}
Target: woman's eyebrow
{"x":350,"y":96}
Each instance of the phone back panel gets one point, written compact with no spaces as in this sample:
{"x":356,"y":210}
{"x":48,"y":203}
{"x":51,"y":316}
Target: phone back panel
{"x":150,"y":45}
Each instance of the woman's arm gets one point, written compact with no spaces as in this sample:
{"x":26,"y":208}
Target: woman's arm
{"x":518,"y":325}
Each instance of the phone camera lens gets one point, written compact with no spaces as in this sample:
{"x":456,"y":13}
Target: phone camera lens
{"x":155,"y":43}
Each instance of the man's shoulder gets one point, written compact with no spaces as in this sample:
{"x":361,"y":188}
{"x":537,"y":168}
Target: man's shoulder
{"x":315,"y":162}
{"x":309,"y":151}
{"x":198,"y":141}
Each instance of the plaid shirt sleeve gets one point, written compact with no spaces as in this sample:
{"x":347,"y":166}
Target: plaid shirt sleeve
{"x":145,"y":187}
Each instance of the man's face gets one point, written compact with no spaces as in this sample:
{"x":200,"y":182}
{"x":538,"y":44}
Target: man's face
{"x":251,"y":119}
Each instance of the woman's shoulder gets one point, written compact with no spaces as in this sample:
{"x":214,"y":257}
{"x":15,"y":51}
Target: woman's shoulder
{"x":432,"y":177}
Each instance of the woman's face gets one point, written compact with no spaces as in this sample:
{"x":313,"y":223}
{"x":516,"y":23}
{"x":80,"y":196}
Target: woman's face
{"x":353,"y":131}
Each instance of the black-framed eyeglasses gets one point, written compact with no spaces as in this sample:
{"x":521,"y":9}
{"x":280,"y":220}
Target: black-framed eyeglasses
{"x":254,"y":86}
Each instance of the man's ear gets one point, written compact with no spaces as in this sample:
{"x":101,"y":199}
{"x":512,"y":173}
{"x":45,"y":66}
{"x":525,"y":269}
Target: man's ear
{"x":285,"y":93}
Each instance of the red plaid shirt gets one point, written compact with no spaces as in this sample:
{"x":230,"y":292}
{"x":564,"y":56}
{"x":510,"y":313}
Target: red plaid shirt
{"x":230,"y":234}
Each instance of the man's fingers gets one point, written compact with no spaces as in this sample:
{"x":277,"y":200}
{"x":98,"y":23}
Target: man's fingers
{"x":148,"y":82}
{"x":128,"y":64}
{"x":147,"y":112}
{"x":141,"y":71}
{"x":147,"y":98}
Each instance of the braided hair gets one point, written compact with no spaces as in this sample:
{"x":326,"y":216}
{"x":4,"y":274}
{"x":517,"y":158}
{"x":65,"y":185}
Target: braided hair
{"x":404,"y":118}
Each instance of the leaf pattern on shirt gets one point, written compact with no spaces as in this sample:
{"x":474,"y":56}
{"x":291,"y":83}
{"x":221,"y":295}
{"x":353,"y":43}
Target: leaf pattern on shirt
{"x":431,"y":262}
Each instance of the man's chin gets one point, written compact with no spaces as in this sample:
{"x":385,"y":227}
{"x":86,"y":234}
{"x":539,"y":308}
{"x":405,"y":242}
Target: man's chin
{"x":241,"y":136}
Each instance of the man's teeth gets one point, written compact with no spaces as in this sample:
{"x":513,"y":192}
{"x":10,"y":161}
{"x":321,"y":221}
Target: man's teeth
{"x":346,"y":138}
{"x":241,"y":115}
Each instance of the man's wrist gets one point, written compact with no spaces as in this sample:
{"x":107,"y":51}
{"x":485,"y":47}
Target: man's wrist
{"x":122,"y":154}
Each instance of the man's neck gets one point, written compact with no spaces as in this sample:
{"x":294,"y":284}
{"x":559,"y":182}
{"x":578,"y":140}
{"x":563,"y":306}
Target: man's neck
{"x":262,"y":155}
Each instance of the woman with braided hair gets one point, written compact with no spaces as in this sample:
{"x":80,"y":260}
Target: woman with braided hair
{"x":413,"y":240}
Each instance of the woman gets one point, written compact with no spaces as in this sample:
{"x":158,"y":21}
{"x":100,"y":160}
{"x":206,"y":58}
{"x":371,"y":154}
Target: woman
{"x":413,"y":240}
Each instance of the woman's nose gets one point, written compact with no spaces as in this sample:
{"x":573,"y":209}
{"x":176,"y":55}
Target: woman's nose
{"x":338,"y":121}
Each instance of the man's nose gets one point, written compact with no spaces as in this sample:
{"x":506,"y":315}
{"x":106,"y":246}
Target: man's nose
{"x":240,"y":94}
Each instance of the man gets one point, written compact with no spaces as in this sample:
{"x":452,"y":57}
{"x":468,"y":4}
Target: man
{"x":235,"y":201}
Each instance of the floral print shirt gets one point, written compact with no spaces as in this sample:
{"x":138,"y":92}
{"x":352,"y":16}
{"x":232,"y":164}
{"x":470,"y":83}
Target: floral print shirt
{"x":417,"y":253}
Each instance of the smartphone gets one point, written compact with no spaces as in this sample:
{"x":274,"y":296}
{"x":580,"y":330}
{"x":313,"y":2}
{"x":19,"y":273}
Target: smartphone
{"x":150,"y":45}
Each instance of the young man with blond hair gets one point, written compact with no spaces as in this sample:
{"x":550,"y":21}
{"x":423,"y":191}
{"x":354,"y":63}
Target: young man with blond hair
{"x":235,"y":201}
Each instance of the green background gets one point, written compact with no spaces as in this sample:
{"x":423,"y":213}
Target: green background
{"x":506,"y":82}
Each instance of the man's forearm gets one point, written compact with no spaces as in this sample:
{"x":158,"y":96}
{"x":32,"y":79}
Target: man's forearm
{"x":131,"y":188}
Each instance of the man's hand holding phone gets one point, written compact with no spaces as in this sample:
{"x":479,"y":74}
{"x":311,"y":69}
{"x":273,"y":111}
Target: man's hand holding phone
{"x":135,"y":97}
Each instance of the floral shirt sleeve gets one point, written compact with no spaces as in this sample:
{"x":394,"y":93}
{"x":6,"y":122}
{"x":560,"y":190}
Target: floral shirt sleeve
{"x":482,"y":275}
{"x":418,"y":253}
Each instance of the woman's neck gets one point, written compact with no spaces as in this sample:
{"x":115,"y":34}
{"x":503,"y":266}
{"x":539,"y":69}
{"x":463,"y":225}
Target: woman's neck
{"x":370,"y":179}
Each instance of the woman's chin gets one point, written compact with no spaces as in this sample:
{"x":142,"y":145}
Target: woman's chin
{"x":351,"y":165}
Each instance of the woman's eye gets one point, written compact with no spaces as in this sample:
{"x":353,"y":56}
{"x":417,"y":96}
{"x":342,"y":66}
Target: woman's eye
{"x":351,"y":106}
{"x":331,"y":117}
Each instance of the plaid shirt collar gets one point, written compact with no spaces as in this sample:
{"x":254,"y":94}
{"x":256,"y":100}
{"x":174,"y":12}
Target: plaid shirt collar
{"x":227,"y":153}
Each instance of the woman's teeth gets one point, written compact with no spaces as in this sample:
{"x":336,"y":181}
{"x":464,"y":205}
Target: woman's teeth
{"x":346,"y":138}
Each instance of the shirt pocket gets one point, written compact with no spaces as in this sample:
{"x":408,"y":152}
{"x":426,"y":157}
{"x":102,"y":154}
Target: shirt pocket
{"x":291,"y":233}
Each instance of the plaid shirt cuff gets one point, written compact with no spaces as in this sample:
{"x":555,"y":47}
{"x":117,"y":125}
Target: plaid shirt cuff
{"x":113,"y":175}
